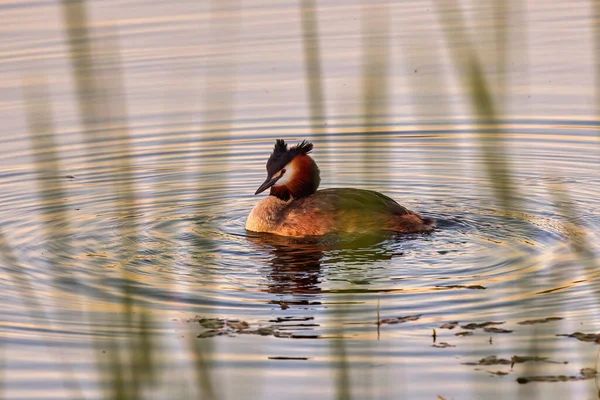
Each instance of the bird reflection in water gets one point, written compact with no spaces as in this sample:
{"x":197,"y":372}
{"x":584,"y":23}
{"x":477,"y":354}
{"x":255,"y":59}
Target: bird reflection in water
{"x":297,"y":264}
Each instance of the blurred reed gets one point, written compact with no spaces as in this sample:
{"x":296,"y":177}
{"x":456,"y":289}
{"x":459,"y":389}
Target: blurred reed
{"x":486,"y":102}
{"x":375,"y":20}
{"x":131,"y":367}
{"x":218,"y":103}
{"x":580,"y":243}
{"x":341,"y":365}
{"x":480,"y":93}
{"x":308,"y":12}
{"x":579,"y":240}
{"x":312,"y":64}
{"x":55,"y":218}
{"x":103,"y":115}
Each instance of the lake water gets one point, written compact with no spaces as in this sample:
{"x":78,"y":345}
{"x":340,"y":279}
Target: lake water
{"x":133,"y":139}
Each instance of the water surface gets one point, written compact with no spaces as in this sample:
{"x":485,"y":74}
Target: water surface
{"x":142,"y":213}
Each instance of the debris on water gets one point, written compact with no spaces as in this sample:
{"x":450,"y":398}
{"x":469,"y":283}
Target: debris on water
{"x":69,"y":177}
{"x":398,"y":320}
{"x":493,"y":373}
{"x":539,"y":321}
{"x":232,"y":327}
{"x":524,"y":359}
{"x":286,"y":304}
{"x":449,"y":325}
{"x":296,"y":336}
{"x":584,"y":373}
{"x":497,"y":330}
{"x":443,"y":345}
{"x":584,"y":337}
{"x":283,"y":305}
{"x":497,"y":373}
{"x":588,"y":372}
{"x":210,"y":333}
{"x":474,"y":325}
{"x":262,"y":331}
{"x":493,"y":360}
{"x":288,"y":319}
{"x":472,"y":287}
{"x":297,"y":326}
{"x":211,"y":323}
{"x":490,"y":360}
{"x":237,"y":325}
{"x":96,"y":255}
{"x":464,"y":333}
{"x":287,"y":358}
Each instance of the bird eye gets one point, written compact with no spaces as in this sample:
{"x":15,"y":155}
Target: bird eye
{"x":283,"y":171}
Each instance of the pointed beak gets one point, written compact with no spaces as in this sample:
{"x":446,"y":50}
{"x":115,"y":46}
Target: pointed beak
{"x":267,"y":184}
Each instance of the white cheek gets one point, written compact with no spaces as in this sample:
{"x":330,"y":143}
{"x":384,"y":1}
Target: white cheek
{"x":287,"y":177}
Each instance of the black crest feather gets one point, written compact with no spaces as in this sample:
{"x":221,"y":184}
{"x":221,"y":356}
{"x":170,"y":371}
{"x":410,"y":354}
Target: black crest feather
{"x":281,"y":155}
{"x":303,"y":147}
{"x":280,"y":146}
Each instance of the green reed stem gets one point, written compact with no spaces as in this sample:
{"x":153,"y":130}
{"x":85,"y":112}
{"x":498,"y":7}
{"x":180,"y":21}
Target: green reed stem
{"x":340,"y":355}
{"x":375,"y":48}
{"x":480,"y":96}
{"x":483,"y":103}
{"x":100,"y":93}
{"x":312,"y":62}
{"x":52,"y":195}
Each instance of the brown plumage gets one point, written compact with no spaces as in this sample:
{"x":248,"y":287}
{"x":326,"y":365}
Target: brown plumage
{"x":296,"y":208}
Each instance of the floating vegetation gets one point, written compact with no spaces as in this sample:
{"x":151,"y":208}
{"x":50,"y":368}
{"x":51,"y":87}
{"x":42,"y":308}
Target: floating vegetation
{"x":464,"y":333}
{"x":497,"y":373}
{"x":584,"y":337}
{"x":492,"y":329}
{"x":473,"y":287}
{"x":584,"y":373}
{"x":474,"y":325}
{"x":286,"y":304}
{"x":219,"y":326}
{"x":493,"y":360}
{"x":294,"y":319}
{"x":443,"y":345}
{"x":232,"y":327}
{"x":524,"y":359}
{"x":399,"y":320}
{"x":211,"y":323}
{"x":283,"y":305}
{"x":97,"y":255}
{"x":238,"y":325}
{"x":449,"y":325}
{"x":539,"y":321}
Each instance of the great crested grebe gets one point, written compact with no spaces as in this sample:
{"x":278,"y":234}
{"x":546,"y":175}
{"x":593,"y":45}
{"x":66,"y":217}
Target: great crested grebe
{"x":296,"y":208}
